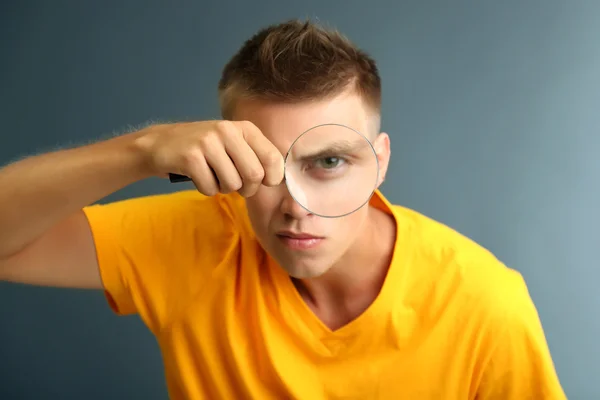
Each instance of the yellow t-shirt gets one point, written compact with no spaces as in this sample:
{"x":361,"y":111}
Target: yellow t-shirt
{"x":451,"y":321}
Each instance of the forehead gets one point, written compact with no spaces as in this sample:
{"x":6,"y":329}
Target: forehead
{"x":282,"y":123}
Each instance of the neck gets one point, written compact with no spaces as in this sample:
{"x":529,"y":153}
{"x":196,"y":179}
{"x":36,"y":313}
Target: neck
{"x":354,"y":282}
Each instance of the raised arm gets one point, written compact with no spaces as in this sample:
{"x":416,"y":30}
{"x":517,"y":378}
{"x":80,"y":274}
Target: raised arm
{"x":45,"y":237}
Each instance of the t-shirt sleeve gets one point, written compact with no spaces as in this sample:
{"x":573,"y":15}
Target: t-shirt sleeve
{"x":156,"y":253}
{"x":520,"y":365}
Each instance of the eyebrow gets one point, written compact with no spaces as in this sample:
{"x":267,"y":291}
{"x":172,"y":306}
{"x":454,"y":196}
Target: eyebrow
{"x":341,"y":147}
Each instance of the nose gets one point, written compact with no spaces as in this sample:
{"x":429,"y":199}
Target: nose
{"x":290,"y":207}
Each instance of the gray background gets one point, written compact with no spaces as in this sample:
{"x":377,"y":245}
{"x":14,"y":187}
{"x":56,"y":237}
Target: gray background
{"x":492,"y":108}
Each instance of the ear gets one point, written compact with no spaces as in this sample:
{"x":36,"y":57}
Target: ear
{"x":383,"y":151}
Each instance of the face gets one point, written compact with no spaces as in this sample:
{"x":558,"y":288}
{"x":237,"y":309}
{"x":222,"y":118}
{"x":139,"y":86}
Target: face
{"x":304,"y":244}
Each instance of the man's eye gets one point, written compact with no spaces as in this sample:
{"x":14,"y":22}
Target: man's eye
{"x":328,"y":162}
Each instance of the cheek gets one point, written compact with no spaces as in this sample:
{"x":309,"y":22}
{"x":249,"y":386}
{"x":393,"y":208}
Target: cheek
{"x":348,"y":228}
{"x":262,"y":206}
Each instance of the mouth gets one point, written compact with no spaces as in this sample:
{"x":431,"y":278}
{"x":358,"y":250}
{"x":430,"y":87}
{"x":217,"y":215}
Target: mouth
{"x":299,"y":240}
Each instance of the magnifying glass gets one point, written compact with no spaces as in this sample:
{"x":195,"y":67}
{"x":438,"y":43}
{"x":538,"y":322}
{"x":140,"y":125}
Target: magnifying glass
{"x":331,"y":170}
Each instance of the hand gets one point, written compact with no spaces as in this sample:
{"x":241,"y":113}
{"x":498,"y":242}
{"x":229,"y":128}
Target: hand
{"x":218,"y":156}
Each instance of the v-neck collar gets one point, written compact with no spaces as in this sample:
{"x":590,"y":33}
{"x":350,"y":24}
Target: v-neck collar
{"x":298,"y":314}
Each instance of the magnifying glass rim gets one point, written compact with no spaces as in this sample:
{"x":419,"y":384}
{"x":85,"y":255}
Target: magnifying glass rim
{"x":343,"y":126}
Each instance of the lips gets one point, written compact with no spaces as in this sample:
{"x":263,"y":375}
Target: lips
{"x":299,"y":235}
{"x":299,"y":240}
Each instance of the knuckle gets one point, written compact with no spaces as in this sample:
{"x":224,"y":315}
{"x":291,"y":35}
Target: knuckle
{"x":274,"y":177}
{"x":273,"y":158}
{"x":226,"y":128}
{"x":255,"y":175}
{"x":190,"y":158}
{"x":247,"y":125}
{"x":209,"y":142}
{"x":223,"y":124}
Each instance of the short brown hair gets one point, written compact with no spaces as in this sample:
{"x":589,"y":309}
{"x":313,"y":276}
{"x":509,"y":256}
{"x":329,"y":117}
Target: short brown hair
{"x":298,"y":61}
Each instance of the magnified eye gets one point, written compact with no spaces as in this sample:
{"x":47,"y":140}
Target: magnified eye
{"x":329,"y":162}
{"x":331,"y":170}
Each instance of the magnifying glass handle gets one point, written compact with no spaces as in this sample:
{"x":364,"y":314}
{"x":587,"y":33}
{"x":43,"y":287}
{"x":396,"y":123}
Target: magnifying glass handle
{"x":176,"y":178}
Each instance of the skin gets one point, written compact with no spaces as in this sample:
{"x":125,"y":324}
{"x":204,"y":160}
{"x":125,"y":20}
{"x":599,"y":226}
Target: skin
{"x":45,"y":240}
{"x":341,"y":276}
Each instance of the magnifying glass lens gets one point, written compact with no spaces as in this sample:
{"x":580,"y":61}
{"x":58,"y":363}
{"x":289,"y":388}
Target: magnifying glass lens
{"x":331,"y":170}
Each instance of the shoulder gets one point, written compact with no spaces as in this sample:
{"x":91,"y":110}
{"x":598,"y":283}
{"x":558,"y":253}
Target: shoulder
{"x":156,"y":253}
{"x":462,"y":271}
{"x":184,"y":209}
{"x":181,"y":228}
{"x":484,"y":303}
{"x":445,"y":249}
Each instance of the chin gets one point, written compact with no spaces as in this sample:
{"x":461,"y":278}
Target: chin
{"x":299,"y":264}
{"x":304,"y":271}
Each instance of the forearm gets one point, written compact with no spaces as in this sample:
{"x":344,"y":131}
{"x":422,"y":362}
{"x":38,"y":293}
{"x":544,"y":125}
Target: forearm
{"x":40,"y":191}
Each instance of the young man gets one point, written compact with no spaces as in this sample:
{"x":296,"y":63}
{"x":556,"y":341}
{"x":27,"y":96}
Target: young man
{"x":249,"y":295}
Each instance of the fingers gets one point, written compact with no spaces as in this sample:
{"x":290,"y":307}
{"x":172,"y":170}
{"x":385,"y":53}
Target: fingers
{"x":203,"y":176}
{"x":247,"y":164}
{"x":229,"y":179}
{"x":269,"y":156}
{"x":222,"y":156}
